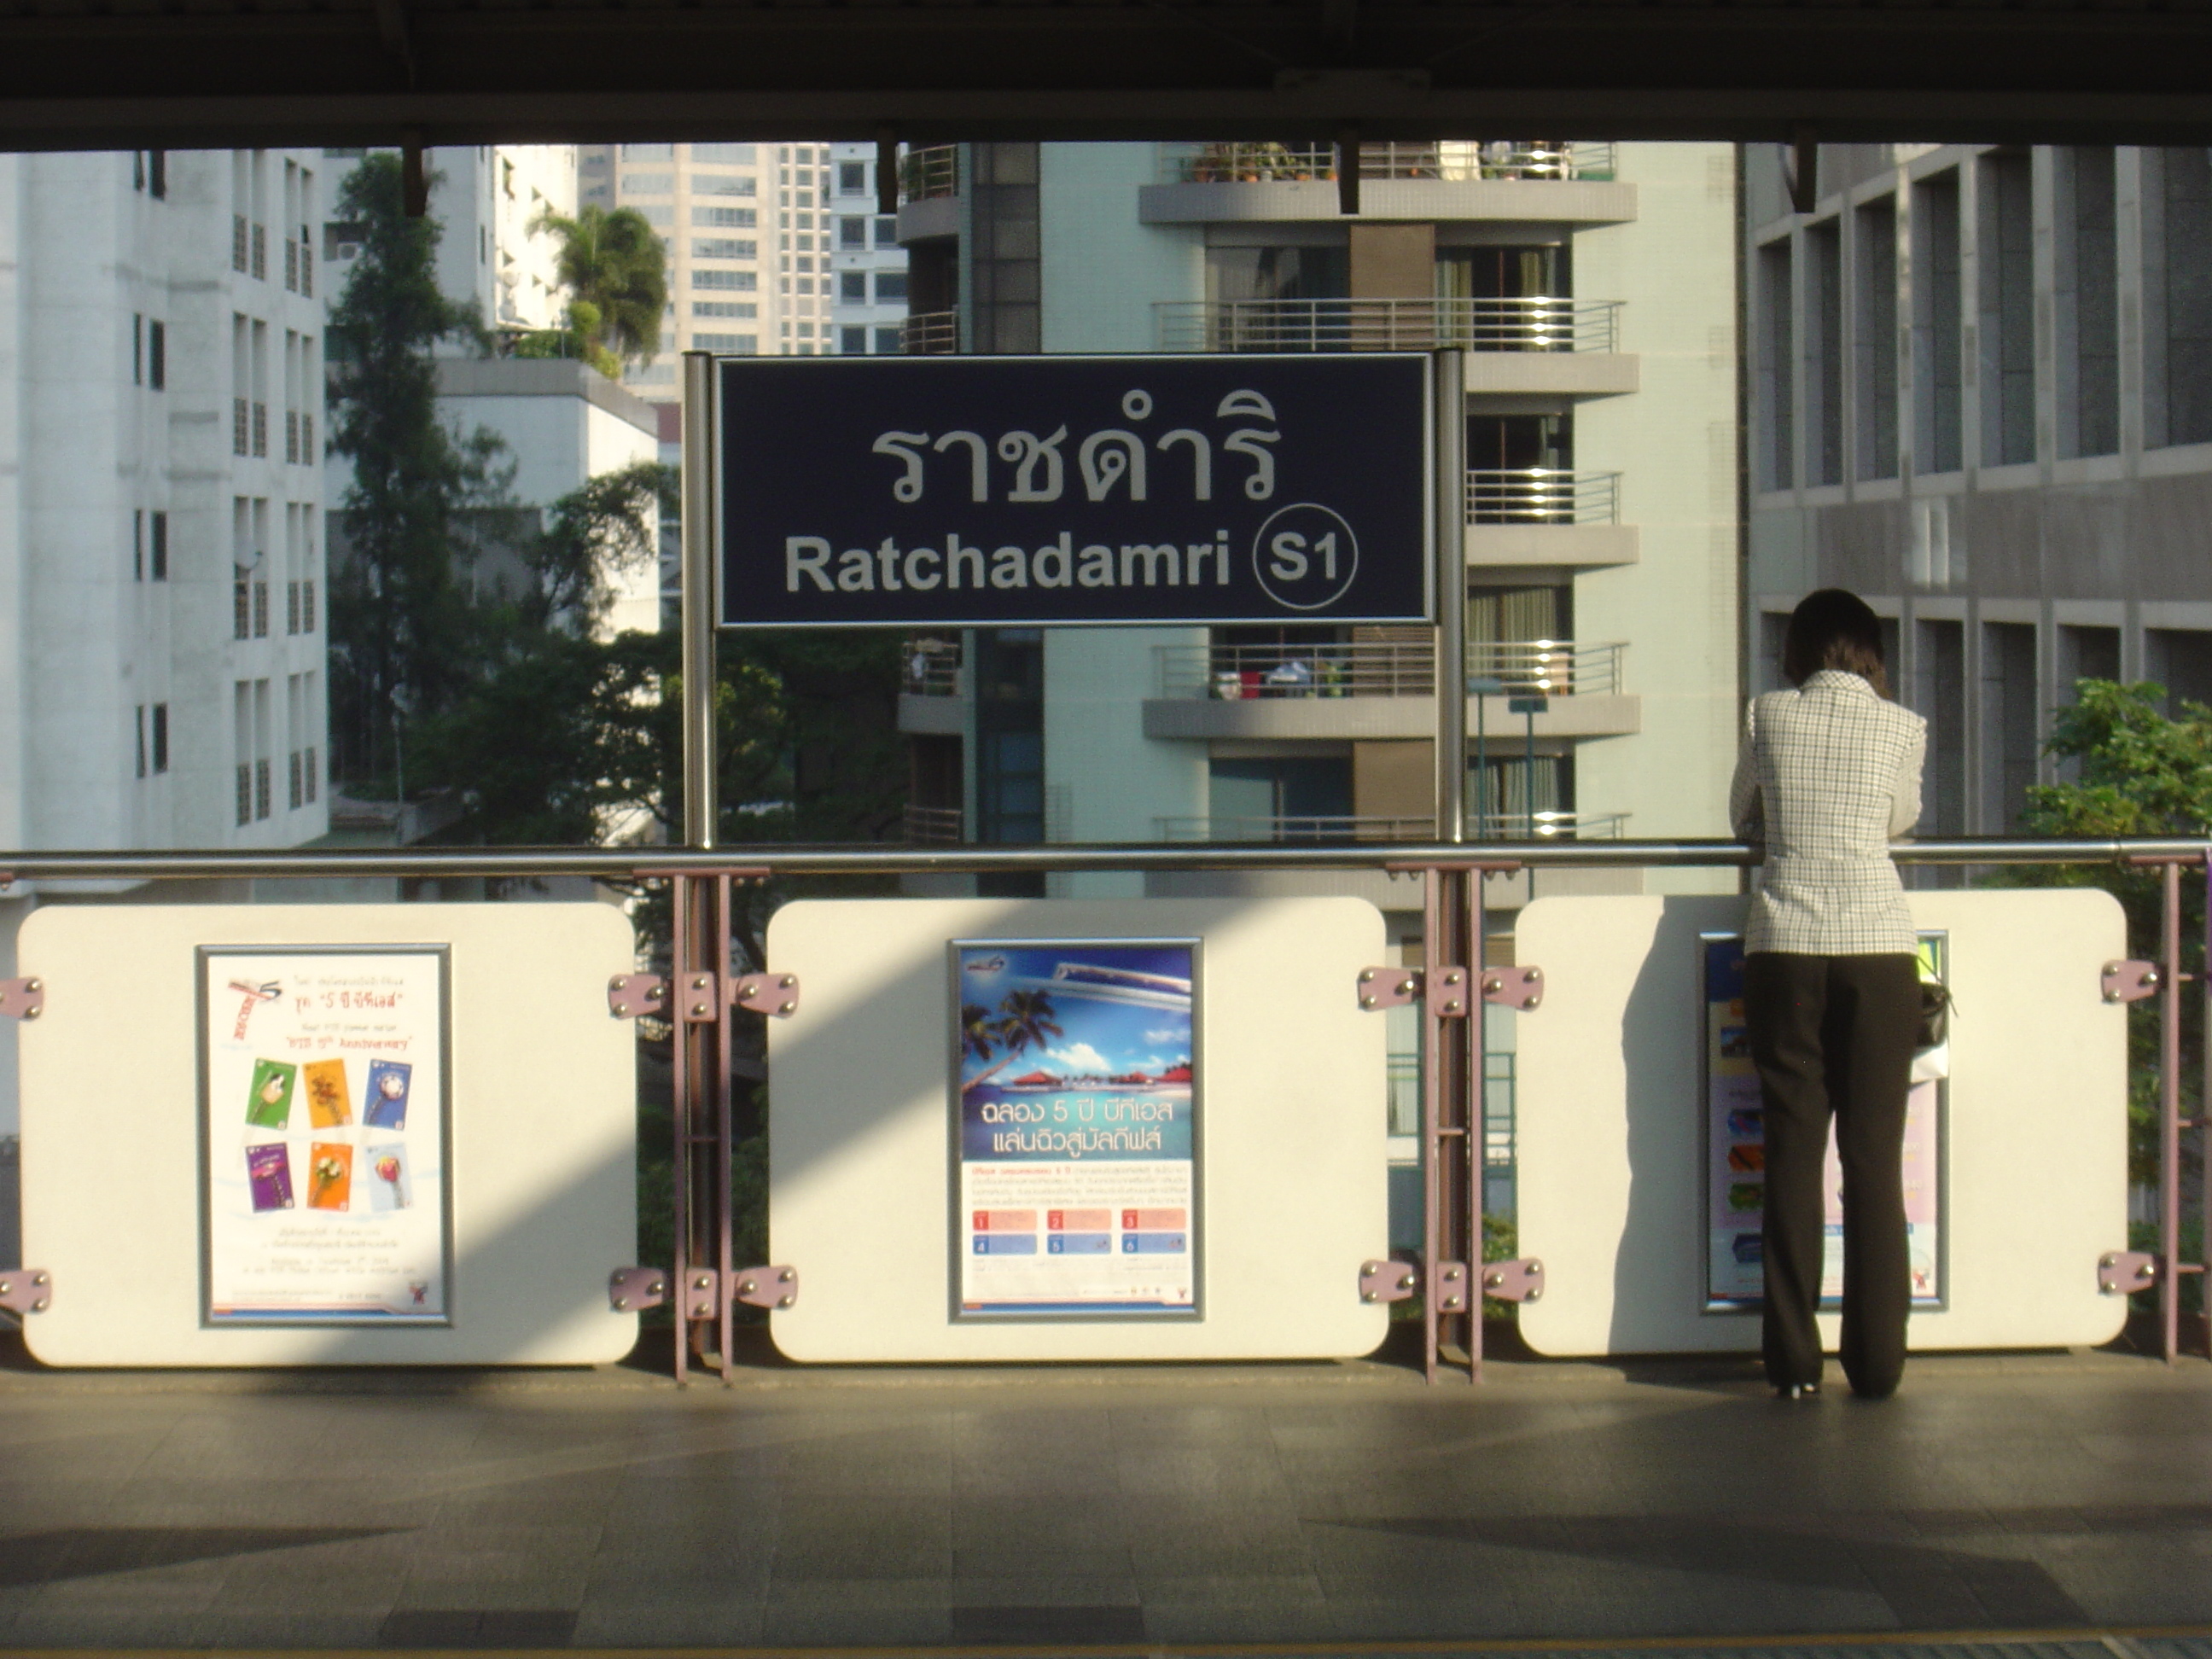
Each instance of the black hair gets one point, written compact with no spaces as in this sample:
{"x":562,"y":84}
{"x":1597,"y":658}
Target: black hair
{"x":1834,"y":629}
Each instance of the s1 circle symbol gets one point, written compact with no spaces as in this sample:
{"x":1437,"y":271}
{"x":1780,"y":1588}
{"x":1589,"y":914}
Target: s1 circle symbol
{"x":1305,"y":556}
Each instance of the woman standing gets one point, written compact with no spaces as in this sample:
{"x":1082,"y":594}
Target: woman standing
{"x":1830,"y":773}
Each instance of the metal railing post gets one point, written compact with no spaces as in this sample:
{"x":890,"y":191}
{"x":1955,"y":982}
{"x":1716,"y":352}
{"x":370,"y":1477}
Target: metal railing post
{"x":2169,"y":1108}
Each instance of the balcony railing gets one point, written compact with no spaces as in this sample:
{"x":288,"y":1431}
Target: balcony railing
{"x":1456,"y":162}
{"x":935,"y":825}
{"x":930,"y":334}
{"x":932,"y":669}
{"x":1538,"y":495}
{"x":1494,"y":826}
{"x":932,"y":171}
{"x":1535,"y":324}
{"x":1233,"y":673}
{"x":1325,"y":827}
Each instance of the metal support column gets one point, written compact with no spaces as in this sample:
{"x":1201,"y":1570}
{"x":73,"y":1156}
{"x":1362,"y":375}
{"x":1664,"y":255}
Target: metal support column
{"x":699,"y":960}
{"x":1451,"y":1090}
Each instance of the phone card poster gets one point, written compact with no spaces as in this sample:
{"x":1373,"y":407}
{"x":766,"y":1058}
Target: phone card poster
{"x":1075,"y":1119}
{"x":324,"y":1136}
{"x":1736,"y":1151}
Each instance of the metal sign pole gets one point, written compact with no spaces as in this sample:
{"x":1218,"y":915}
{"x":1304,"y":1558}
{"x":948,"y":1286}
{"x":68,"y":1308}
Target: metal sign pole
{"x":699,"y":915}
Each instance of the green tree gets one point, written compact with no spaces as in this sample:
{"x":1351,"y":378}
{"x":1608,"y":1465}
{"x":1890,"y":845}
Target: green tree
{"x":421,"y":502}
{"x":615,"y":269}
{"x":2139,"y":772}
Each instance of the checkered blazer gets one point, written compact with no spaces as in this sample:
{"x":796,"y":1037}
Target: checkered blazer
{"x":1830,"y":773}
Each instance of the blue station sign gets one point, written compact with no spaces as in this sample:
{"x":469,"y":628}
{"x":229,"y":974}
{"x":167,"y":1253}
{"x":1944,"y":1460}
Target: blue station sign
{"x":903,"y":492}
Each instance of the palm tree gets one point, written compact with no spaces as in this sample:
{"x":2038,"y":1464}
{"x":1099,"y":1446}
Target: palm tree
{"x":977,"y":1038}
{"x":1028,"y":1020}
{"x":615,"y":268}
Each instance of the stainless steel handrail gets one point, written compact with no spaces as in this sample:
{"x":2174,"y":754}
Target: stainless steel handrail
{"x":1543,"y":322}
{"x":880,"y":858}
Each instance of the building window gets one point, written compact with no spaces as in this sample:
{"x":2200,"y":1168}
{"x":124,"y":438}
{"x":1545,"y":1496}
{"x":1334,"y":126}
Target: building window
{"x":715,"y":217}
{"x":296,"y":794}
{"x":853,"y":342}
{"x":157,"y":174}
{"x":890,"y":288}
{"x":648,"y":152}
{"x":725,"y":309}
{"x":137,"y":349}
{"x":307,"y":606}
{"x":160,"y":738}
{"x":723,"y":184}
{"x":245,"y":794}
{"x":157,"y":356}
{"x":141,"y":739}
{"x":729,"y":155}
{"x":853,"y":288}
{"x":2007,"y":256}
{"x":139,"y":544}
{"x":648,"y":184}
{"x":261,"y":610}
{"x":313,"y":768}
{"x":160,"y":549}
{"x":888,"y":343}
{"x":241,"y":603}
{"x":1875,"y":347}
{"x":730,"y":345}
{"x":887,"y":232}
{"x":238,"y":243}
{"x":2086,"y":276}
{"x":1824,"y":354}
{"x":260,"y":264}
{"x":724,"y":248}
{"x":1776,"y":438}
{"x":261,"y":801}
{"x":851,"y":178}
{"x":852,"y":234}
{"x":743,"y":281}
{"x":1937,"y":307}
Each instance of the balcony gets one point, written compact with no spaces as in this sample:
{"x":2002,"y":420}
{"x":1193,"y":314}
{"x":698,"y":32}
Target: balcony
{"x":1458,"y":161}
{"x":933,"y":691}
{"x":1539,"y":346}
{"x":1377,"y":690}
{"x":1513,"y":181}
{"x":929,"y":193}
{"x":1543,"y":515}
{"x":930,"y":334}
{"x":1495,"y":826}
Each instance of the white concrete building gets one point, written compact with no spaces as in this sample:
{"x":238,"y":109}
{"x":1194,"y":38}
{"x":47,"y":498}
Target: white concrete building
{"x":868,"y":307}
{"x":161,"y":509}
{"x":1982,"y":396}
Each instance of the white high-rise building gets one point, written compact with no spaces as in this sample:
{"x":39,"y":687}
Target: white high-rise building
{"x":868,"y":307}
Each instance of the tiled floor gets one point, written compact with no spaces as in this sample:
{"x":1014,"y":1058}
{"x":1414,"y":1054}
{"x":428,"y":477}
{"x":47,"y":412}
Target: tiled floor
{"x":1056,"y":1509}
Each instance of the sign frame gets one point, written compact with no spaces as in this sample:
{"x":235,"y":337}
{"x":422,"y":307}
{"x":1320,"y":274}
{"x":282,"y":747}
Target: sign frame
{"x":1431,"y":517}
{"x":203,"y":957}
{"x":1101,"y":1314}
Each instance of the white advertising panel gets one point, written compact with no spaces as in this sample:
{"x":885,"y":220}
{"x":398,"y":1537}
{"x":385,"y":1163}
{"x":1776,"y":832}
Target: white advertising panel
{"x":1185,"y":1138}
{"x":328,"y":1134}
{"x":1615,"y":1112}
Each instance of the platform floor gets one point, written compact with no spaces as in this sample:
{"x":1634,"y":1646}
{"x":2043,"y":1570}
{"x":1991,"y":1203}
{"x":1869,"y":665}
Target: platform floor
{"x":2064,"y":1498}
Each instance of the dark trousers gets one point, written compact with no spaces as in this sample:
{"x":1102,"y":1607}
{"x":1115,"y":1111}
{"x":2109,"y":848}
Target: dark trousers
{"x":1834,"y":1035}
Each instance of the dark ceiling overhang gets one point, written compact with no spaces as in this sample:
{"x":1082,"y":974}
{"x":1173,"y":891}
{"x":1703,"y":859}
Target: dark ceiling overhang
{"x":98,"y":73}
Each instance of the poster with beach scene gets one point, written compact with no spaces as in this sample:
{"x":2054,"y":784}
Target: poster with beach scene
{"x":1075,"y":1125}
{"x":335,"y":1214}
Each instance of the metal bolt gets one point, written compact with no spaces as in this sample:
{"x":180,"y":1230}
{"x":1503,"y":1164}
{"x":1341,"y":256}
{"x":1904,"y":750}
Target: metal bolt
{"x":615,"y":982}
{"x":786,"y":1302}
{"x":5,"y":1287}
{"x":1530,"y":1002}
{"x":1367,"y":1296}
{"x":652,"y":994}
{"x":704,"y":1282}
{"x":785,"y":1276}
{"x":1534,"y":975}
{"x":34,"y":986}
{"x":699,"y":1011}
{"x":1492,"y":984}
{"x":790,"y":1008}
{"x":659,"y":1288}
{"x":788,"y":981}
{"x":1406,"y":1283}
{"x":1536,"y":1293}
{"x":621,"y":1303}
{"x":1493,"y":1281}
{"x":700,"y":982}
{"x":1367,"y":973}
{"x":1367,"y":1002}
{"x":1405,"y":987}
{"x":32,"y":1013}
{"x":744,"y":1287}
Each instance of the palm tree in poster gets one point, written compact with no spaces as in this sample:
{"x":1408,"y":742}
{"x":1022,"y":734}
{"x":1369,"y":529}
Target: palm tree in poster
{"x":1027,"y":1021}
{"x":978,"y":1039}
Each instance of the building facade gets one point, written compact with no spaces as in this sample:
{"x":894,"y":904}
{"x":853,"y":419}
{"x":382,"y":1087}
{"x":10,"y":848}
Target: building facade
{"x":1981,"y":396}
{"x":1593,"y":289}
{"x":868,"y":308}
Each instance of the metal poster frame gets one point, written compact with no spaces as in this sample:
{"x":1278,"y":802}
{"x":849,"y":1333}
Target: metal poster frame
{"x":443,"y":953}
{"x":955,"y":1254}
{"x":1727,"y":1305}
{"x":710,"y":455}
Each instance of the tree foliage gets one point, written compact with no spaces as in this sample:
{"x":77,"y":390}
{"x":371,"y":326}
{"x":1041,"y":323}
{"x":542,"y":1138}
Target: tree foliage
{"x":615,"y":269}
{"x":420,"y":501}
{"x":2138,"y":772}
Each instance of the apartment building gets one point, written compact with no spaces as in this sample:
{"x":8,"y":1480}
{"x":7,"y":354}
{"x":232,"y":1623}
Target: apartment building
{"x":868,"y":308}
{"x":1593,"y":289}
{"x":1982,"y":396}
{"x":161,"y":508}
